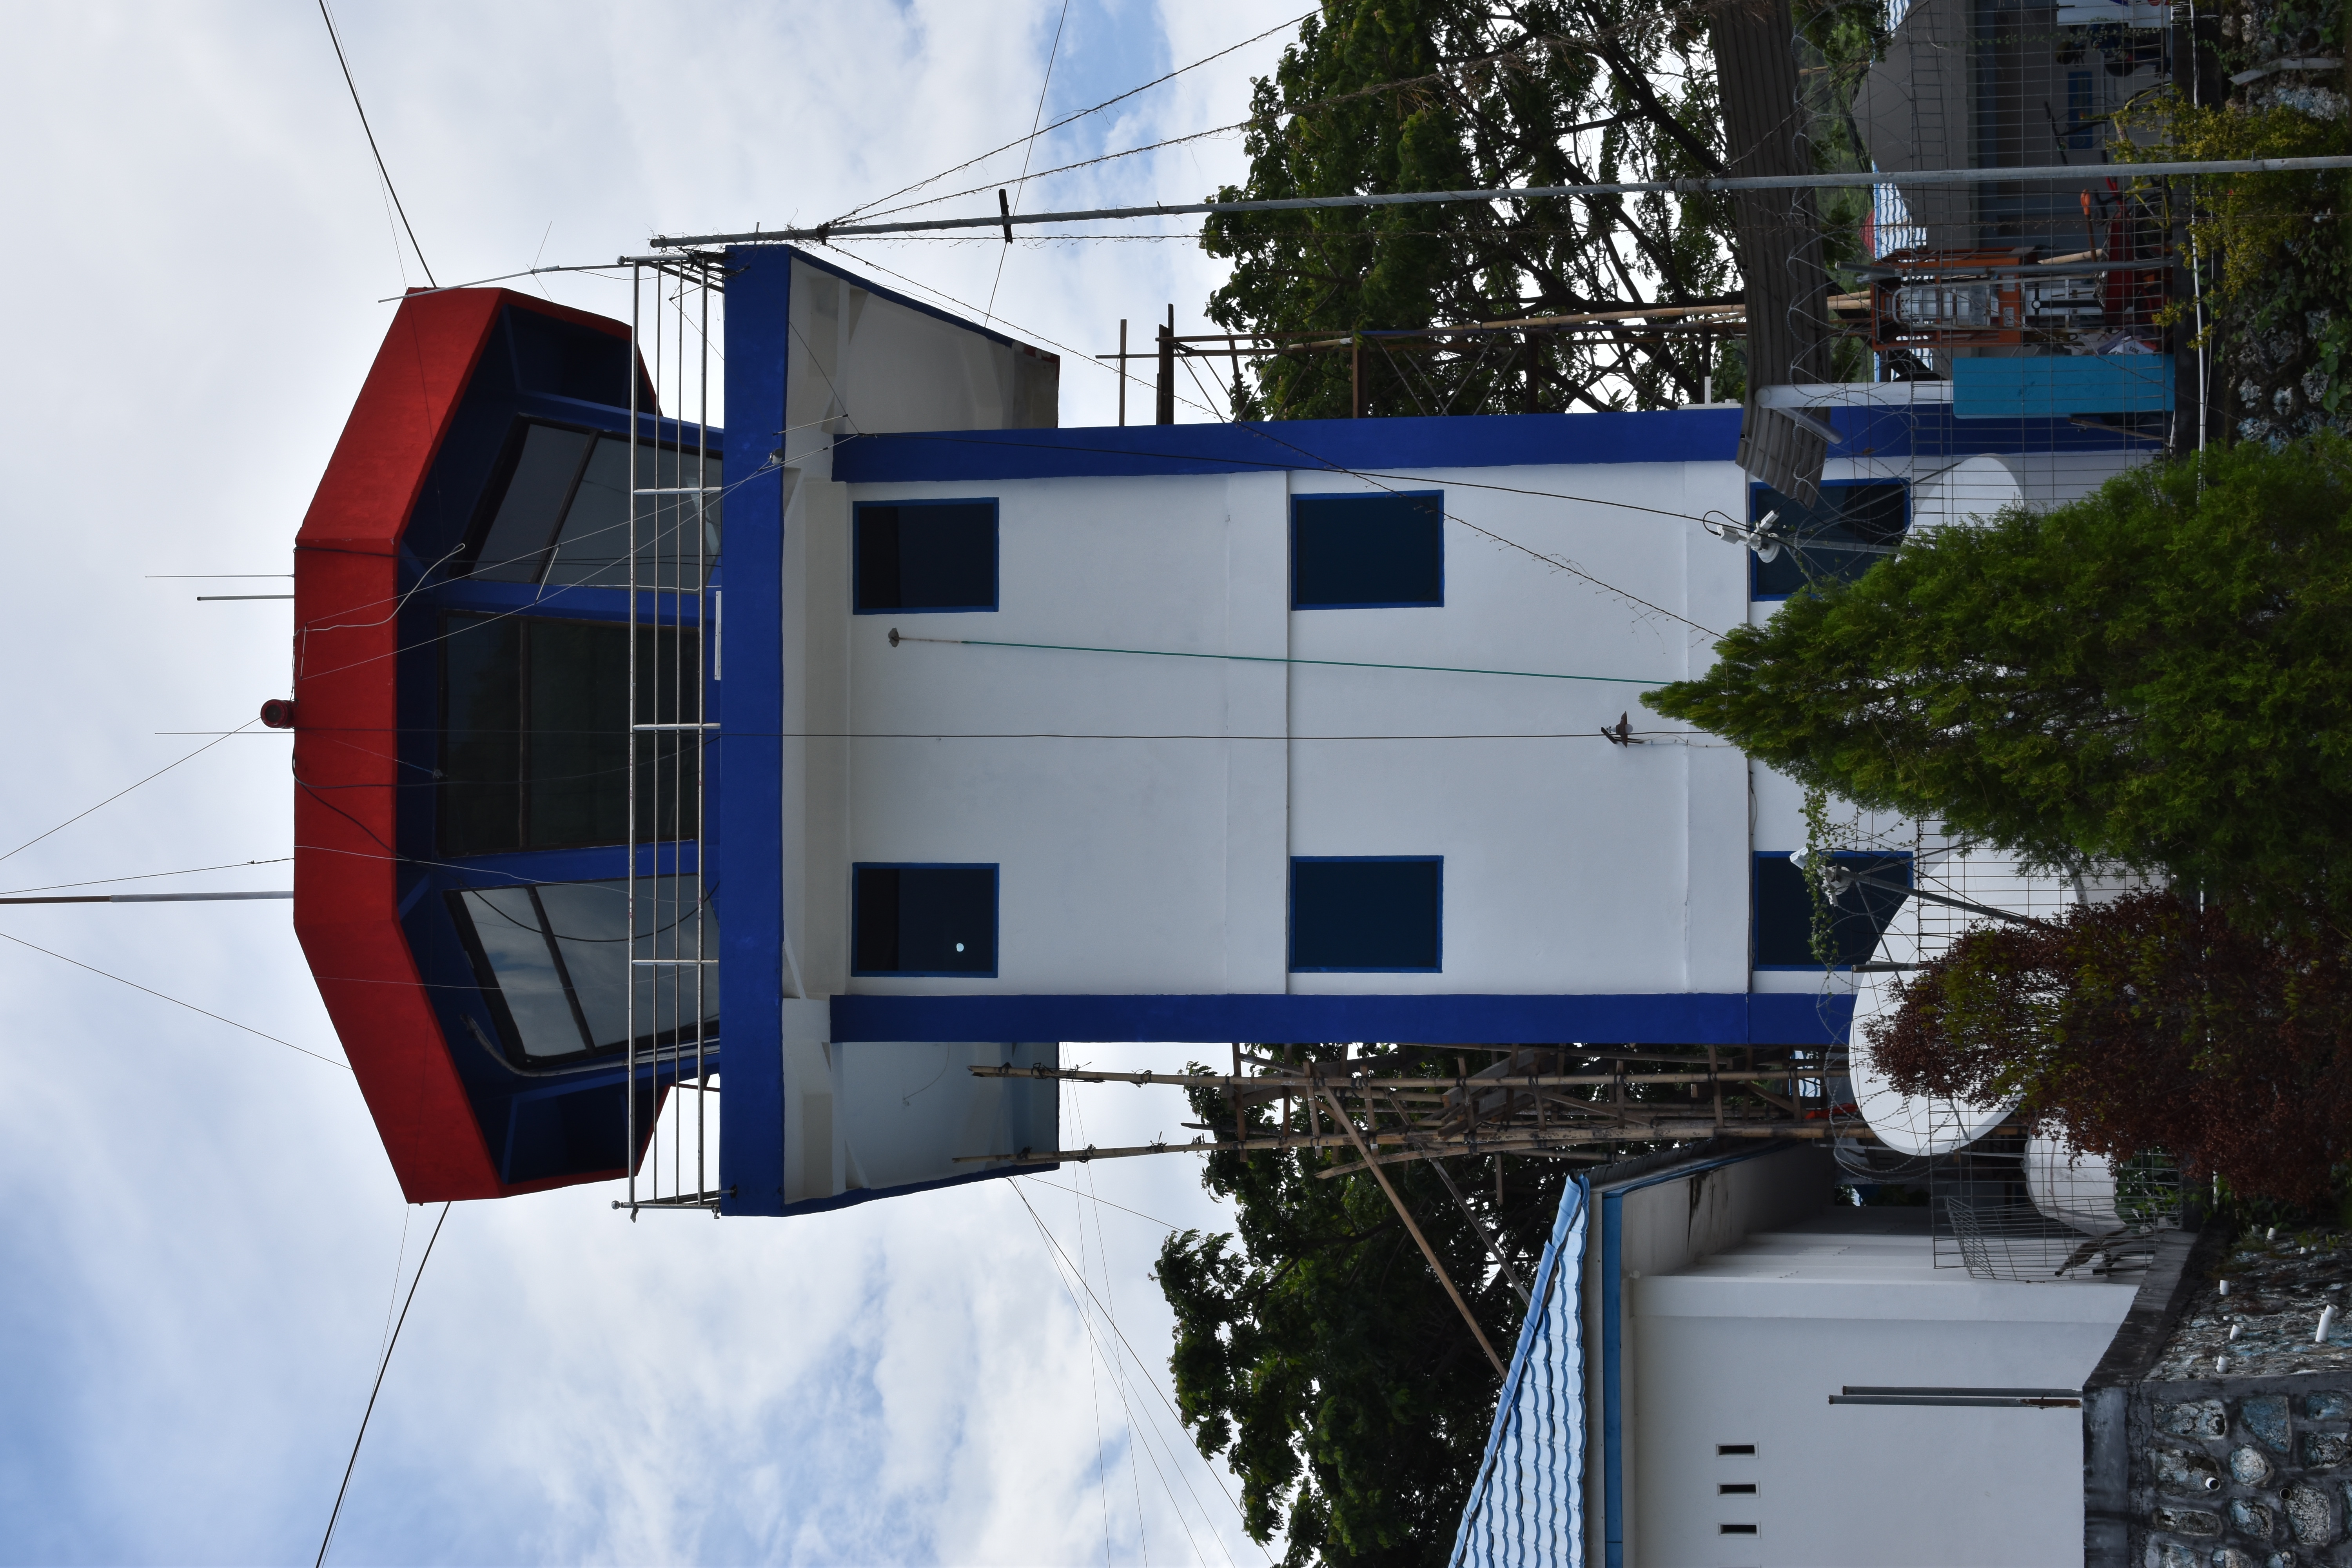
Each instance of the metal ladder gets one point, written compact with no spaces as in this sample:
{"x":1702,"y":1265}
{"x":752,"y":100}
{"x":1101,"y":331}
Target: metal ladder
{"x":670,"y":957}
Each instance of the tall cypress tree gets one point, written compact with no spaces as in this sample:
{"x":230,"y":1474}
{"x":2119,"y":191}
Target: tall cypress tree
{"x":2159,"y":674}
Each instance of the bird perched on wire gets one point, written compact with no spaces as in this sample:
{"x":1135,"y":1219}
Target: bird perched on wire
{"x":1621,"y":733}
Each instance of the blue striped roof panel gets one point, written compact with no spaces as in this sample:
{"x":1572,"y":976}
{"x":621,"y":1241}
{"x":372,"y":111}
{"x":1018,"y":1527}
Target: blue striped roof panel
{"x":1527,"y":1506}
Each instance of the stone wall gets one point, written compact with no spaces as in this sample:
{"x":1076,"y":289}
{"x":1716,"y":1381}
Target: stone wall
{"x":2241,"y":1472}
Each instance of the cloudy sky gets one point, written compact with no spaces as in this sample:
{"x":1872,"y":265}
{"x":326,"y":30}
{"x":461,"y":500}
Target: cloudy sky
{"x":203,"y":1241}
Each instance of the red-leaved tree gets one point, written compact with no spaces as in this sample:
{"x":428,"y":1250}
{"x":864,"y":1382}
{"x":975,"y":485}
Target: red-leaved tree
{"x":2148,"y":1023}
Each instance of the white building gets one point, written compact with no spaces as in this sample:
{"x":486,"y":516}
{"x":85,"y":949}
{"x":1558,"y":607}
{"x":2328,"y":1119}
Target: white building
{"x":974,"y":734}
{"x":1726,"y":1368}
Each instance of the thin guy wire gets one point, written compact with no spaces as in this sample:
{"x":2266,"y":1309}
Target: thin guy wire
{"x":1137,"y":1432}
{"x":174,"y":1001}
{"x":380,"y":1368}
{"x":1118,"y":1386}
{"x":1029,"y":151}
{"x":118,"y":795}
{"x":1102,"y":1255}
{"x":147,"y":875}
{"x":1104,"y":1202}
{"x":1532,"y":45}
{"x":1073,"y":119}
{"x":335,"y":39}
{"x":1093,"y":1384}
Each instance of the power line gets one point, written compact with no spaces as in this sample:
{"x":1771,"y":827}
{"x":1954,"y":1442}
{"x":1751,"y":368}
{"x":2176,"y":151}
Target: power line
{"x":335,"y":39}
{"x":1534,"y":46}
{"x":897,"y":637}
{"x":2060,"y":174}
{"x":381,"y":1367}
{"x":600,"y":267}
{"x":1073,"y":119}
{"x":174,"y":1001}
{"x":1368,"y":476}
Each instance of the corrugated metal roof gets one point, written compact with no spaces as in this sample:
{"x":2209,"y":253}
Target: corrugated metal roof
{"x":1527,"y":1506}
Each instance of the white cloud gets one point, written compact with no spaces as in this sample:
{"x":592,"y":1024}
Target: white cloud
{"x":200,"y":1241}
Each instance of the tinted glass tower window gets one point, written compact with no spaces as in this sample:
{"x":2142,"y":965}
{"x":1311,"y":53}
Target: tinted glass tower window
{"x":535,"y":733}
{"x":552,"y":962}
{"x":558,"y":512}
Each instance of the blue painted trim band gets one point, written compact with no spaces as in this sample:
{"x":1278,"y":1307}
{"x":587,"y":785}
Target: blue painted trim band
{"x":750,"y":815}
{"x":1456,"y":441}
{"x":1735,"y":1018}
{"x":1612,"y":1336}
{"x":1331,"y":446}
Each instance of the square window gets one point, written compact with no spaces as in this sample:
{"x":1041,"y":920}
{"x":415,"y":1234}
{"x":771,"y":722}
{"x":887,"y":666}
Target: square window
{"x":1367,"y":913}
{"x":1367,"y":551}
{"x":922,"y":920}
{"x":1783,"y":913}
{"x":1850,"y":530}
{"x":924,"y":556}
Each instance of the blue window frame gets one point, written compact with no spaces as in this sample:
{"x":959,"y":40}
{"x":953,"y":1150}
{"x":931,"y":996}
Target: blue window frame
{"x":923,"y":557}
{"x":1366,"y":914}
{"x":1852,"y":527}
{"x":1368,"y":552}
{"x":922,"y":918}
{"x":1781,"y":919}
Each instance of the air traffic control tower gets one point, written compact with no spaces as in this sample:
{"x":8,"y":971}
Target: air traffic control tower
{"x":896,"y":730}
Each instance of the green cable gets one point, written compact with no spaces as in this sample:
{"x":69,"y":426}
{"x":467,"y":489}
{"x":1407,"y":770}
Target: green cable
{"x":898,"y":637}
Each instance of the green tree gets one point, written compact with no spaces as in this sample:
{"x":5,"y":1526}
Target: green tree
{"x":2158,"y":675}
{"x":2149,"y":1023}
{"x":1317,"y":1348}
{"x":1409,"y":95}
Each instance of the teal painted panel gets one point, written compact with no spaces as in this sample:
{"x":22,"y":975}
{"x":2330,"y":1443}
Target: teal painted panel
{"x":2054,"y":385}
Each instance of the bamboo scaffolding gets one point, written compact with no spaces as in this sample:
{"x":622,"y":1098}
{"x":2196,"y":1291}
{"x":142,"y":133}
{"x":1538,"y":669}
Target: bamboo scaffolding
{"x":1271,"y":1085}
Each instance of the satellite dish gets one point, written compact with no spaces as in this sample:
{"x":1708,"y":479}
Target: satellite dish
{"x":2075,"y":1189}
{"x":1908,"y":1125}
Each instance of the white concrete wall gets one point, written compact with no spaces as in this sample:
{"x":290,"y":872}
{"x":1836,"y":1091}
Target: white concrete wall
{"x":863,"y":362}
{"x":1750,"y":1352}
{"x":1663,"y":1228}
{"x":881,"y":1115}
{"x":1161,"y":865}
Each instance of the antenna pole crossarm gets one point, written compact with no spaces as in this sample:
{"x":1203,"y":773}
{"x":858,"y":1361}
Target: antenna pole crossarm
{"x":2082,"y":174}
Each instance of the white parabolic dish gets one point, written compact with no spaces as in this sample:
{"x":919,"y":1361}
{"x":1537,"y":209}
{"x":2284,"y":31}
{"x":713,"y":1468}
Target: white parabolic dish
{"x":1907,"y":1125}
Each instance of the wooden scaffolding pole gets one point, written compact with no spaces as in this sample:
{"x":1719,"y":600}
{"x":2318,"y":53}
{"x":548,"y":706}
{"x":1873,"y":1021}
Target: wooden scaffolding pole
{"x":1427,"y":1251}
